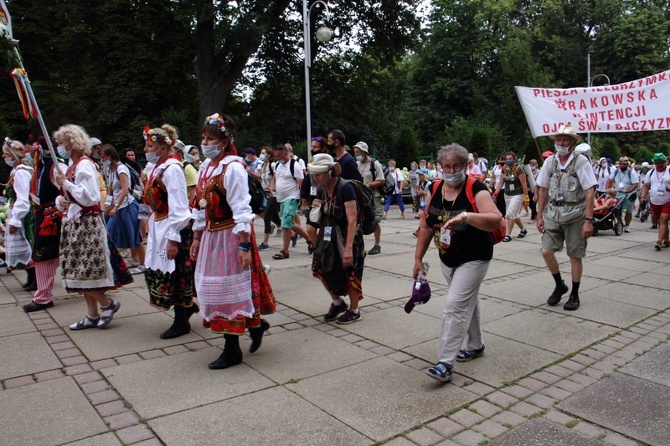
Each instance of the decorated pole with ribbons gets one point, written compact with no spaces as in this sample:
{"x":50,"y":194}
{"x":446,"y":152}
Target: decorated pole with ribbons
{"x":11,"y":49}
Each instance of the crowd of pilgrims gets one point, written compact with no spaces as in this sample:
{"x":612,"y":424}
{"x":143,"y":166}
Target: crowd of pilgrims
{"x":187,"y":227}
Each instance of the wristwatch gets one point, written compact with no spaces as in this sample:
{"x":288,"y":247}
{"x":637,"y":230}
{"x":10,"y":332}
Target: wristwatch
{"x":589,"y":218}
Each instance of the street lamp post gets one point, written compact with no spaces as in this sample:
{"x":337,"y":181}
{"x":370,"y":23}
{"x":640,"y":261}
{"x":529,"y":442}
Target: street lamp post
{"x":323,"y":34}
{"x":590,"y":80}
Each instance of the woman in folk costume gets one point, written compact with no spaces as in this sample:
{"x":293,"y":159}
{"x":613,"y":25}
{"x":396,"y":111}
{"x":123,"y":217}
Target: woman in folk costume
{"x":169,"y":272}
{"x":88,"y":264}
{"x":20,"y":221}
{"x":232,"y":287}
{"x":43,"y":192}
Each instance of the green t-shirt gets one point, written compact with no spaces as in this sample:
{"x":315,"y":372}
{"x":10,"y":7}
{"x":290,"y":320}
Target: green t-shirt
{"x":512,"y":182}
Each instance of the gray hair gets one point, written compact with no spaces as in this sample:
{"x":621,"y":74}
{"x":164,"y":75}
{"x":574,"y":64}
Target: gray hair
{"x":453,"y":150}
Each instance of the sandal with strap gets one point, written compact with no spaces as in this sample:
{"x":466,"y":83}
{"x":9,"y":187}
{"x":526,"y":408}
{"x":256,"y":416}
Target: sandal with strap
{"x":87,"y":322}
{"x":310,"y":247}
{"x":281,"y":255}
{"x":507,"y":239}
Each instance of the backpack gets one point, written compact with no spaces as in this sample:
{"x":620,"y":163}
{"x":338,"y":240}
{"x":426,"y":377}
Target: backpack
{"x":500,"y":232}
{"x":388,"y":188}
{"x":258,"y":201}
{"x":291,"y":167}
{"x":136,"y":188}
{"x":366,"y":205}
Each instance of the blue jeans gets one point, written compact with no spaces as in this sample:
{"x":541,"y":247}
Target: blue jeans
{"x":395,"y":197}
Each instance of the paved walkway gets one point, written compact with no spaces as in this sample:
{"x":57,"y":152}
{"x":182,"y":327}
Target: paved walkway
{"x":595,"y":376}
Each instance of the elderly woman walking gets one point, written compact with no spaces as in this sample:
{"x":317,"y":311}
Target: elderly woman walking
{"x":233,"y":288}
{"x":88,"y":264}
{"x":340,"y":252}
{"x":462,"y":234}
{"x":20,"y":221}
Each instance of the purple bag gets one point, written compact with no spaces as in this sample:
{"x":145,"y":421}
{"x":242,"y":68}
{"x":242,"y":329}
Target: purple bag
{"x":420,"y":294}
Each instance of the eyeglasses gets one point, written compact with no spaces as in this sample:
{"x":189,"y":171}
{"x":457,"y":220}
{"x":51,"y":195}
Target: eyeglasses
{"x":452,"y":169}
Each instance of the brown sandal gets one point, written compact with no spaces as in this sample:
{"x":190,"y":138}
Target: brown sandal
{"x":281,"y":255}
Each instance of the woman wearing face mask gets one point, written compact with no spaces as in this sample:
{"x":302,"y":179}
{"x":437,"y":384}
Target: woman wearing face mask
{"x":232,"y":286}
{"x":20,"y":224}
{"x":169,"y":271}
{"x":90,"y":264}
{"x":462,"y":236}
{"x":121,"y":208}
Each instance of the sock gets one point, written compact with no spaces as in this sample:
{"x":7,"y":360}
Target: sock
{"x":338,"y":302}
{"x":575,"y":290}
{"x":557,"y":279}
{"x":354,"y":310}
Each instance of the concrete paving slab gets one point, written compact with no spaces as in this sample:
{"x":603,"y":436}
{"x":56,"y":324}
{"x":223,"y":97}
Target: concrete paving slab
{"x":652,"y":366}
{"x":108,"y":439}
{"x":381,"y":398}
{"x":315,"y":300}
{"x":181,"y":382}
{"x":638,"y":265}
{"x":47,"y":413}
{"x":608,"y":272}
{"x":404,"y":330}
{"x":646,"y":252}
{"x":491,"y":308}
{"x":113,"y":341}
{"x":13,"y":320}
{"x":268,"y":417}
{"x":658,"y":279}
{"x":598,"y":308}
{"x":401,"y":262}
{"x":542,"y":432}
{"x":527,"y":290}
{"x":6,"y":296}
{"x":387,"y":287}
{"x":632,"y":406}
{"x":504,"y":360}
{"x":563,"y":336}
{"x":25,"y":354}
{"x":299,"y":354}
{"x":635,"y":294}
{"x":509,"y":265}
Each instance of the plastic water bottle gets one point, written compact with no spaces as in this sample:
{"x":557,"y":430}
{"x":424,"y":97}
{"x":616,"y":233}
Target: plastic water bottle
{"x":421,"y":277}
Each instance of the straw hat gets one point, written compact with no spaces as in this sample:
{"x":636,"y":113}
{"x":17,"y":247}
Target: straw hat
{"x":567,"y":130}
{"x":322,"y":163}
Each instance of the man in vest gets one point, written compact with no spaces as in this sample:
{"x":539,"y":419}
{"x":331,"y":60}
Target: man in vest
{"x":565,"y":211}
{"x":626,"y":181}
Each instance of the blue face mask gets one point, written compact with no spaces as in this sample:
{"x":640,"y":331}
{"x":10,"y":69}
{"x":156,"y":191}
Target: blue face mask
{"x":509,"y":163}
{"x":359,"y":157}
{"x":262,"y":158}
{"x":106,"y":164}
{"x":454,"y":179}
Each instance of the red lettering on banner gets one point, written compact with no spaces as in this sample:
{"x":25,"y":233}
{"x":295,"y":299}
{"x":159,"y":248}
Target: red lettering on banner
{"x":617,"y":99}
{"x":652,"y":94}
{"x":640,"y":95}
{"x":605,"y":102}
{"x":630,"y":96}
{"x":594,"y":102}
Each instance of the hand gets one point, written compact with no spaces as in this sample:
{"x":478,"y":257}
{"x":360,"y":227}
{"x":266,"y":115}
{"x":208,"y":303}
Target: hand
{"x":347,"y":258}
{"x":244,"y":258}
{"x":12,"y":229}
{"x":111,"y":211}
{"x":535,"y":198}
{"x":539,"y":223}
{"x":172,"y":249}
{"x":454,"y":222}
{"x":418,"y":268}
{"x":587,"y":229}
{"x":195,"y":247}
{"x":60,"y":179}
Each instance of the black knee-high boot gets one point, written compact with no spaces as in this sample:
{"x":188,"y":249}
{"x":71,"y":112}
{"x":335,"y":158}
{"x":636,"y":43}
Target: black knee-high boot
{"x":232,"y":355}
{"x":180,"y":326}
{"x":31,"y":280}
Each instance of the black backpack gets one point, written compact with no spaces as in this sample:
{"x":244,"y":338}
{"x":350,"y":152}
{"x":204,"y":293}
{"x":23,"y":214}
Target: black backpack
{"x":388,"y":188}
{"x":258,"y":200}
{"x":366,"y":205}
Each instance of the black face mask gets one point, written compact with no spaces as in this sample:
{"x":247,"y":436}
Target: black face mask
{"x":331,"y":147}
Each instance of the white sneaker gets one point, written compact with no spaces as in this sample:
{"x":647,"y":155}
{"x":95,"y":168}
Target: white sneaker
{"x":626,"y":229}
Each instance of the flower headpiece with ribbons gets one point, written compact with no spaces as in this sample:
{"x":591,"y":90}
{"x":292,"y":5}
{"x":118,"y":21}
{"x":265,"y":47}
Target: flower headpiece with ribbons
{"x":157,"y":136}
{"x":220,"y":123}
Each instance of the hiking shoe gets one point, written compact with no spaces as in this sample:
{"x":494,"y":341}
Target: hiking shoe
{"x":348,"y":317}
{"x":555,"y":297}
{"x":334,"y":311}
{"x":626,"y":229}
{"x":440,"y":371}
{"x":572,"y":304}
{"x":522,"y":234}
{"x":132,"y":263}
{"x":660,"y":245}
{"x":262,"y":246}
{"x":507,"y":238}
{"x":468,"y":355}
{"x":375,"y":250}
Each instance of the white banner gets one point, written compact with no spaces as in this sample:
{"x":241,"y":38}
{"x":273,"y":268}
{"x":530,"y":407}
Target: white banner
{"x":642,"y":105}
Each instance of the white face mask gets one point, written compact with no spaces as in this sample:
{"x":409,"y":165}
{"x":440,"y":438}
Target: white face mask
{"x":63,"y":152}
{"x":210,"y":151}
{"x":454,"y":179}
{"x":560,"y":150}
{"x":152,"y":157}
{"x":188,"y":158}
{"x":106,"y":164}
{"x":10,"y":162}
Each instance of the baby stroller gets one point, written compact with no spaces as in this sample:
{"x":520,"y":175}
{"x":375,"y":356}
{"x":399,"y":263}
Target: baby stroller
{"x":610,"y":218}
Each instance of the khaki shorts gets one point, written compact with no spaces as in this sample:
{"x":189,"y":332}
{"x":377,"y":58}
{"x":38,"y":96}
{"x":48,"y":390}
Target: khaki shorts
{"x":514,"y":204}
{"x":379,"y":209}
{"x":556,"y":234}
